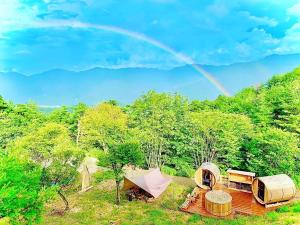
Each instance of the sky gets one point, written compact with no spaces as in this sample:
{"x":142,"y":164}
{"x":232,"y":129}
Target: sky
{"x":41,"y":35}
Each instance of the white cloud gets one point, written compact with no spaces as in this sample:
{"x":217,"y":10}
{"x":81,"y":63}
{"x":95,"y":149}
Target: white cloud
{"x":218,"y":8}
{"x":291,"y":42}
{"x":15,"y":15}
{"x":263,"y":20}
{"x":295,"y":10}
{"x":243,"y":49}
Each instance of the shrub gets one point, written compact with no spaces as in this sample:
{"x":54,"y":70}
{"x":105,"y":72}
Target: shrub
{"x":297,"y":180}
{"x":168,"y":170}
{"x":183,"y":168}
{"x":283,"y":209}
{"x":296,"y":208}
{"x":20,"y":191}
{"x":103,"y":175}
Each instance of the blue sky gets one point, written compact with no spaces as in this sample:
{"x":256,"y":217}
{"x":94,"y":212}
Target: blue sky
{"x":40,"y":35}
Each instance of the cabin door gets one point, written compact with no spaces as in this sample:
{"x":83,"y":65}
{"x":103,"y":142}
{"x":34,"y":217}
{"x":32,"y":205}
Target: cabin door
{"x":261,"y":190}
{"x":206,"y":178}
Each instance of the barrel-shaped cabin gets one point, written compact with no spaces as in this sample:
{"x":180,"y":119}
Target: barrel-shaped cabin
{"x":207,"y":176}
{"x":273,"y":189}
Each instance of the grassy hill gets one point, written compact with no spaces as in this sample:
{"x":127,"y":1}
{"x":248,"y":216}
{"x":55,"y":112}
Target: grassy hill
{"x":97,"y":207}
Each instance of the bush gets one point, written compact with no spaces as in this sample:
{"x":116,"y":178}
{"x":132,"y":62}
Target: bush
{"x":297,"y":180}
{"x":295,"y":208}
{"x":168,"y":170}
{"x":103,"y":175}
{"x":21,"y":197}
{"x":283,"y":209}
{"x":183,"y":168}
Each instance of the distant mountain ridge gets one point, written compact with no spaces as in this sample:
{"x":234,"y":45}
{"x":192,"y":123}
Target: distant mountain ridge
{"x":63,"y":87}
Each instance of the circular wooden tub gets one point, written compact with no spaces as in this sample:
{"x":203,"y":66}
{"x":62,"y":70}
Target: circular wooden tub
{"x":218,"y":203}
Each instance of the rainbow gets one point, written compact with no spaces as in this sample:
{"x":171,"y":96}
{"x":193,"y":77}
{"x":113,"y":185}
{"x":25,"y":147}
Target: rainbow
{"x":135,"y":35}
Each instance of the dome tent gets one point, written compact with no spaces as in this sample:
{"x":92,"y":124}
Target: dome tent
{"x":207,"y":175}
{"x":273,"y":189}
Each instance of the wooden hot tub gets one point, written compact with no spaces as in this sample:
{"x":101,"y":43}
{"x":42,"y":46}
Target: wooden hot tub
{"x":218,"y":203}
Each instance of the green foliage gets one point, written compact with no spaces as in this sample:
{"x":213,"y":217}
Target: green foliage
{"x":183,"y":167}
{"x":102,"y":126}
{"x":272,"y":151}
{"x":283,"y":209}
{"x":168,"y":170}
{"x":21,"y":199}
{"x":220,"y":137}
{"x":127,"y":153}
{"x":194,"y":219}
{"x":160,"y":119}
{"x":296,"y":207}
{"x":120,"y":155}
{"x":51,"y":148}
{"x":18,"y":120}
{"x":256,"y":130}
{"x":5,"y":221}
{"x":103,"y":175}
{"x":97,"y":207}
{"x":4,"y":106}
{"x":272,"y":216}
{"x":69,"y":116}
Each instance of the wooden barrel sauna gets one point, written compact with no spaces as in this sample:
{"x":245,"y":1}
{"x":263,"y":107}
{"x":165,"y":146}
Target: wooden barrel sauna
{"x":218,"y":203}
{"x":207,"y":175}
{"x":273,"y":189}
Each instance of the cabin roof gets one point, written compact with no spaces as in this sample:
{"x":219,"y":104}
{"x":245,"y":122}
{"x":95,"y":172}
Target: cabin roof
{"x":212,"y":168}
{"x":241,"y":172}
{"x":277,"y":181}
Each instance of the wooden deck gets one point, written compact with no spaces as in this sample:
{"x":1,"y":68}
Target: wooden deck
{"x":242,"y":203}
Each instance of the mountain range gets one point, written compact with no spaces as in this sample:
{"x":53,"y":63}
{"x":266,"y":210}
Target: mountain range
{"x":63,"y":87}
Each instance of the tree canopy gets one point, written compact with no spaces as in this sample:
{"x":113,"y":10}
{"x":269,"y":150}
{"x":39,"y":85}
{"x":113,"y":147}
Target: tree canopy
{"x":258,"y":130}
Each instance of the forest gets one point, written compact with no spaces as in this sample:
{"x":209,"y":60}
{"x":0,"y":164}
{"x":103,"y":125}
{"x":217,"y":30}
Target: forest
{"x":258,"y":130}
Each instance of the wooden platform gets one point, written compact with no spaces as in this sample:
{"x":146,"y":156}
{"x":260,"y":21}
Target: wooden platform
{"x":242,"y":203}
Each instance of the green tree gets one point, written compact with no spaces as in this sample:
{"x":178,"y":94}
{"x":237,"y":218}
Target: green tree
{"x":282,"y":102}
{"x":18,"y":120}
{"x":102,"y":126}
{"x":21,"y":196}
{"x":52,"y":148}
{"x":70,"y":117}
{"x":219,"y":136}
{"x":118,"y":156}
{"x":4,"y":106}
{"x":105,"y":129}
{"x":272,"y":151}
{"x":161,"y":120}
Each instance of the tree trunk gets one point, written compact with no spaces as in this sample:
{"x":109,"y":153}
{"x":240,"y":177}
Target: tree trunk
{"x":64,"y":199}
{"x":78,"y":133}
{"x":118,"y":199}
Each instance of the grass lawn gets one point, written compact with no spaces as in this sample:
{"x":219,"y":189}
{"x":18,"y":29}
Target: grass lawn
{"x":97,"y":207}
